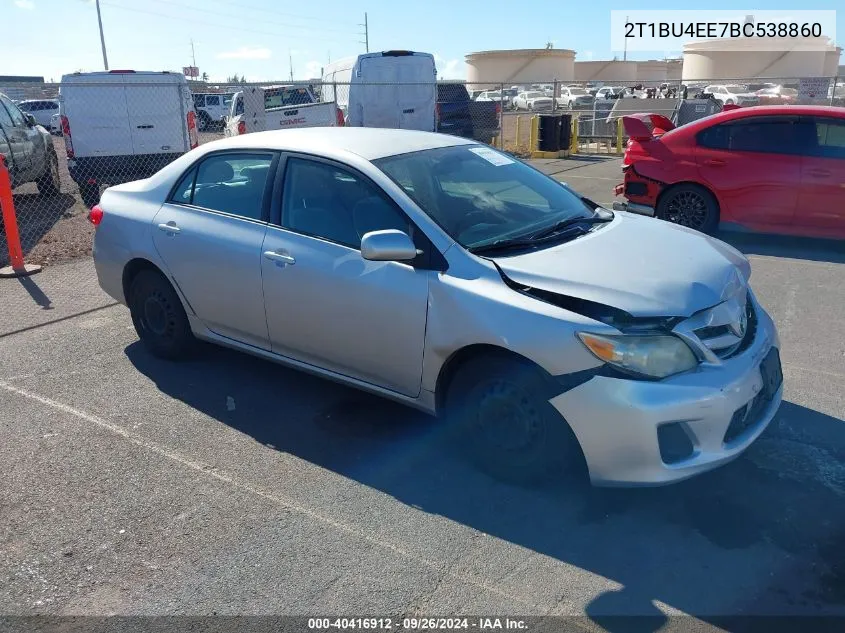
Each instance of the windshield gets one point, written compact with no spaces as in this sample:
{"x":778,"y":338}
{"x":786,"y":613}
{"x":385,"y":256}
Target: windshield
{"x":577,"y":91}
{"x":736,"y":88}
{"x":479,"y":196}
{"x":533,"y":95}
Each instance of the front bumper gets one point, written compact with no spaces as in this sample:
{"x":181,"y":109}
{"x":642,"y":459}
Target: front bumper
{"x":633,"y":207}
{"x":616,"y":420}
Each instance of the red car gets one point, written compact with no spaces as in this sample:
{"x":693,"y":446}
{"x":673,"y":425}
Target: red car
{"x":774,"y":169}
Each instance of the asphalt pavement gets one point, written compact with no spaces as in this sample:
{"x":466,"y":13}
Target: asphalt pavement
{"x":229,"y":485}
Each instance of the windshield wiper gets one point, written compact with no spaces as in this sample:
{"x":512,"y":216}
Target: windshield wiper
{"x":569,"y":222}
{"x":528,"y":241}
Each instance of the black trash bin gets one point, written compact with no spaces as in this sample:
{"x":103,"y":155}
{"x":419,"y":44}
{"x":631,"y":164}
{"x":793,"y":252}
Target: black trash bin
{"x":549,"y":132}
{"x":565,"y":131}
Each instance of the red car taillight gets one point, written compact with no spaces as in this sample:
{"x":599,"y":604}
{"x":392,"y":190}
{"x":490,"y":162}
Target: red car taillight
{"x":192,"y":129}
{"x":340,"y":120}
{"x":241,"y":127}
{"x":66,"y":135}
{"x":95,"y":215}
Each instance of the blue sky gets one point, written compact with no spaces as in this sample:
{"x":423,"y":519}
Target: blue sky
{"x":257,"y":38}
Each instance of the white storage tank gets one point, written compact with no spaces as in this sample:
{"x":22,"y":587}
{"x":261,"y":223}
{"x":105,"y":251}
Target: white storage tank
{"x":652,"y":71}
{"x":519,"y":66}
{"x":614,"y":71}
{"x":831,"y":61}
{"x":713,"y":60}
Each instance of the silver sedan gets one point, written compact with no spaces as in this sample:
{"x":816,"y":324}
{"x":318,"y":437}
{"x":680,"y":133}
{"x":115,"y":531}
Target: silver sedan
{"x":548,"y":332}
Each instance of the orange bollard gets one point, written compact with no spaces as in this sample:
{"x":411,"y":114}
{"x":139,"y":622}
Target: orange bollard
{"x":17,"y":268}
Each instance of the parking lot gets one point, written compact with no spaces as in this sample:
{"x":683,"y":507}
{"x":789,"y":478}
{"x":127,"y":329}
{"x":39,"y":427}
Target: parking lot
{"x":229,"y":485}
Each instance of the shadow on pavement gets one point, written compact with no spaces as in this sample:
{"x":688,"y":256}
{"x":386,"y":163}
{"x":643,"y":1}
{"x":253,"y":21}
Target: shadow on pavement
{"x":818,"y":250}
{"x":36,"y":215}
{"x":758,"y":523}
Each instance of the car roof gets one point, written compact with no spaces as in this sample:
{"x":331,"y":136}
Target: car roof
{"x":368,"y":143}
{"x":768,"y":110}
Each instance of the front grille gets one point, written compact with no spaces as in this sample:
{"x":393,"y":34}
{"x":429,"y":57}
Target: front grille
{"x":722,"y":340}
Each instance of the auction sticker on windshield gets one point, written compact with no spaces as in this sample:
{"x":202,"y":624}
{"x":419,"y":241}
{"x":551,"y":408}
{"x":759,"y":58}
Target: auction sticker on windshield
{"x":494,"y":158}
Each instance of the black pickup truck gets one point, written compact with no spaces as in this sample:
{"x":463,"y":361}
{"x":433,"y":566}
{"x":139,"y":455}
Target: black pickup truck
{"x":457,"y":114}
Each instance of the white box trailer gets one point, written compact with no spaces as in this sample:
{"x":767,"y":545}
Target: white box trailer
{"x":390,"y":89}
{"x":124,"y":125}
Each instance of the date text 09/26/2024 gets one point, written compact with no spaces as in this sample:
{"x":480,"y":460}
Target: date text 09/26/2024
{"x":416,"y":624}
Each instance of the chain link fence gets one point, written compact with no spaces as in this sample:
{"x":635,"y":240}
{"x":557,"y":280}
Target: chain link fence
{"x":64,"y":144}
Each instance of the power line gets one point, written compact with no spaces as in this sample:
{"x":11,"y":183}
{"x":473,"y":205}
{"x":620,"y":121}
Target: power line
{"x":221,"y":26}
{"x":290,"y":15}
{"x":240,"y":15}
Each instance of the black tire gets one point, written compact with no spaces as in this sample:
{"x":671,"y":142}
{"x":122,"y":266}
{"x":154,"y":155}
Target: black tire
{"x":90,"y":194}
{"x":691,"y":206}
{"x":204,"y":122}
{"x":729,"y":102}
{"x":158,"y":316}
{"x":499,"y":413}
{"x":50,"y":184}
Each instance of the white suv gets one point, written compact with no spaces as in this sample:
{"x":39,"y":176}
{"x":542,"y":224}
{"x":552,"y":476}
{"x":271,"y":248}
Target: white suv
{"x":730,"y":94}
{"x":211,"y":108}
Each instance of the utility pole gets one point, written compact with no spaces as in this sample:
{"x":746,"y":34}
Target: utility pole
{"x":625,"y":52}
{"x":366,"y":34}
{"x":193,"y":54}
{"x":290,"y":61}
{"x":102,"y":37}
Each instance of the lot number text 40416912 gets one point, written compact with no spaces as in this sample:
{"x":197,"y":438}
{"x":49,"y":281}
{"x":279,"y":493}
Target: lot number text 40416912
{"x":417,"y":624}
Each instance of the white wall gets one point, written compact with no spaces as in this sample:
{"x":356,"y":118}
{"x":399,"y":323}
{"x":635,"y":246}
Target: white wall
{"x":610,"y":70}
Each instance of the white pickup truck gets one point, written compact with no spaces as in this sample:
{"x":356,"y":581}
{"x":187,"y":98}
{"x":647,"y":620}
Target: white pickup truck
{"x":262,"y":108}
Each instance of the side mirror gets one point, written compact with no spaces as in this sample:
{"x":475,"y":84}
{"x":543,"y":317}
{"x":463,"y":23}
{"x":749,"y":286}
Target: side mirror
{"x":387,"y":246}
{"x":30,"y":120}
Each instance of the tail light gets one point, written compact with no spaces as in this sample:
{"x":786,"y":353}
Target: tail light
{"x":66,"y":135}
{"x":192,"y":129}
{"x":241,"y":127}
{"x":95,"y":215}
{"x":340,"y":120}
{"x":498,"y":108}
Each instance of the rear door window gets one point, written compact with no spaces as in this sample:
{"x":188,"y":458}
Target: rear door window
{"x":230,"y":183}
{"x":770,"y":135}
{"x":212,"y":100}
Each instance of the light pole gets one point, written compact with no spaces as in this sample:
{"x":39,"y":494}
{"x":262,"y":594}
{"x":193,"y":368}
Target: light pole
{"x":102,"y":37}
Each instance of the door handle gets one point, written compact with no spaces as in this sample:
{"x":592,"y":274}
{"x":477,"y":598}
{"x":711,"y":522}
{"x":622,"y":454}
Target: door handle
{"x":280,"y":258}
{"x":820,"y":173}
{"x":170,"y":227}
{"x":714,"y":162}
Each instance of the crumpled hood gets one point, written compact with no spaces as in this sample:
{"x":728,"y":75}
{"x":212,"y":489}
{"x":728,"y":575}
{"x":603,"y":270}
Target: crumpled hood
{"x":644,"y":266}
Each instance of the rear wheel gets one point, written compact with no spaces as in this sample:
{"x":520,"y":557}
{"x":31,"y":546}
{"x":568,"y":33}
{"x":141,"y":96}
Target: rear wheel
{"x":499,"y":410}
{"x":691,"y":206}
{"x":158,"y":315}
{"x":50,"y":184}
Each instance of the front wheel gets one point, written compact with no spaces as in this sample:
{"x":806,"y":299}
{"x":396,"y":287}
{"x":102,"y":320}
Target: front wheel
{"x":503,"y":422}
{"x":50,"y":184}
{"x":691,"y":206}
{"x":158,"y":315}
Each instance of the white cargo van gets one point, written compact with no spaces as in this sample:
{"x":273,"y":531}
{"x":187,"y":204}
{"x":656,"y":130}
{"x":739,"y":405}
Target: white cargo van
{"x":124,"y":125}
{"x":391,"y":89}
